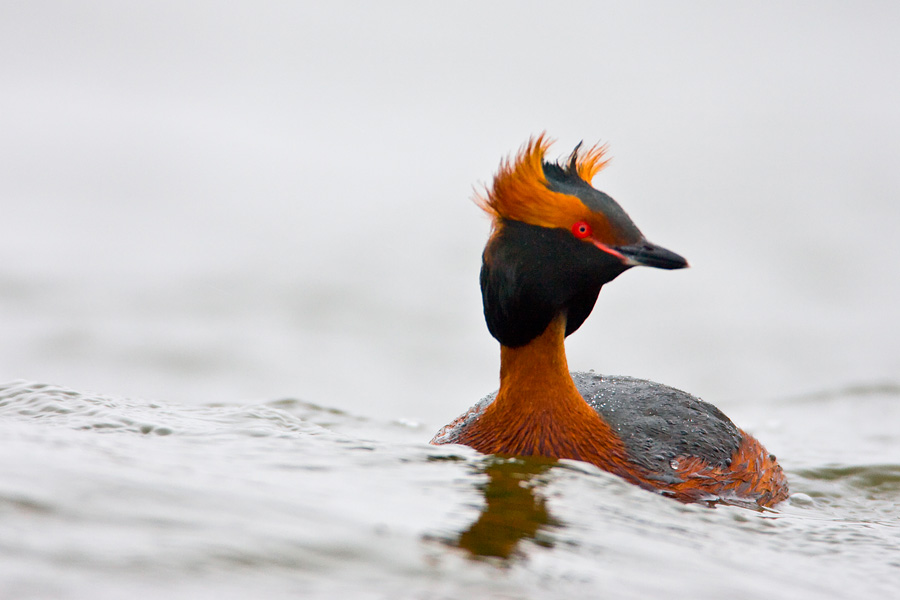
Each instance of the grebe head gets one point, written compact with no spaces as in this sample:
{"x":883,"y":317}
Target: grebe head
{"x":556,"y":240}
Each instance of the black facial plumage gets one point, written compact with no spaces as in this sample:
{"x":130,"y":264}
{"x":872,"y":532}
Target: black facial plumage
{"x":535,"y":267}
{"x":530,"y":274}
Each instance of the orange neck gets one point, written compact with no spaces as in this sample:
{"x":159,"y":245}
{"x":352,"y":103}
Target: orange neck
{"x":536,"y":376}
{"x":539,"y":411}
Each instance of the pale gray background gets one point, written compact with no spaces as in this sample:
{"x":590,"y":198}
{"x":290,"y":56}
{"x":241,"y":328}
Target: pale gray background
{"x":225,"y":202}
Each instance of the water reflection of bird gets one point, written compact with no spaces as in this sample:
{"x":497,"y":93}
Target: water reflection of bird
{"x":514,"y":510}
{"x":555,"y":241}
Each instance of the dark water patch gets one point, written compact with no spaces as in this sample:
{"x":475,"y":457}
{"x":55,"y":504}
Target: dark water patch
{"x":857,"y":390}
{"x":857,"y":493}
{"x":446,"y":458}
{"x":301,"y":406}
{"x":21,"y":504}
{"x":874,"y":479}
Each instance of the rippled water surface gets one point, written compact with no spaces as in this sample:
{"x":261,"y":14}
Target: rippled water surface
{"x":108,"y":497}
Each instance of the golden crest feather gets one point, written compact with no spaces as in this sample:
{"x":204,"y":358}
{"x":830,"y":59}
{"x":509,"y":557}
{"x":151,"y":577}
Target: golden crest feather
{"x":520,"y":191}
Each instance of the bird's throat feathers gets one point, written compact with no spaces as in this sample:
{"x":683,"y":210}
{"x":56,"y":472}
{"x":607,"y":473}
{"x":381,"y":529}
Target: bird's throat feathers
{"x":539,"y":411}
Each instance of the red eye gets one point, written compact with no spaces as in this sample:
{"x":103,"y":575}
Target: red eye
{"x":581,"y":230}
